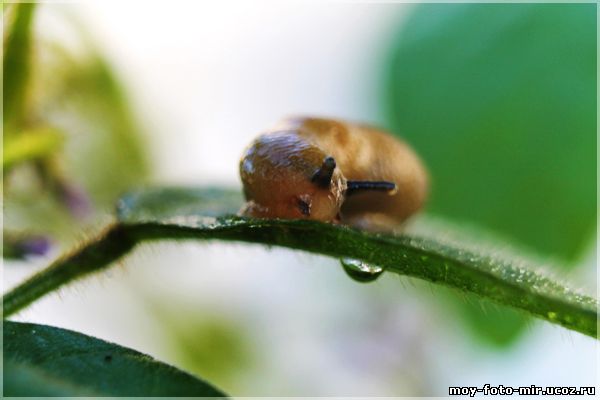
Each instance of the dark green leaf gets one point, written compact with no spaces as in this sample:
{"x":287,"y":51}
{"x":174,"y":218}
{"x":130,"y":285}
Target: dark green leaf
{"x":25,"y":380}
{"x":41,"y":360}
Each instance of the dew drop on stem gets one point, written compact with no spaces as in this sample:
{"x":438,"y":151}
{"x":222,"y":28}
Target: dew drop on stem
{"x":361,"y":271}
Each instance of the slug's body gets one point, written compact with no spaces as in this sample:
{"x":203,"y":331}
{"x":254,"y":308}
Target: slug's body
{"x":328,"y":170}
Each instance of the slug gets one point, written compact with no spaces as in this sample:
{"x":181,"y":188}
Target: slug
{"x":332,"y":171}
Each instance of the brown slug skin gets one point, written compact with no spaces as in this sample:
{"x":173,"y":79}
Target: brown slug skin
{"x":278,"y":174}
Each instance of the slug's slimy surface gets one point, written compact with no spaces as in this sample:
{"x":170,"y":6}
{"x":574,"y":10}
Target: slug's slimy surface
{"x":329,"y":170}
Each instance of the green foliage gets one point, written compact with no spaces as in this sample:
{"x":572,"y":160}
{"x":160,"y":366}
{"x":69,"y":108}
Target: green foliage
{"x":153,"y":204}
{"x":31,"y":145}
{"x":500,"y":100}
{"x":24,"y":380}
{"x":485,"y":272}
{"x":84,"y":97}
{"x":71,"y":141}
{"x":42,"y":360}
{"x":207,"y":343}
{"x":16,"y":65}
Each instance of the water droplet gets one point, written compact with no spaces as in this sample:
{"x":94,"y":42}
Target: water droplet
{"x":552,"y":315}
{"x":360,"y":271}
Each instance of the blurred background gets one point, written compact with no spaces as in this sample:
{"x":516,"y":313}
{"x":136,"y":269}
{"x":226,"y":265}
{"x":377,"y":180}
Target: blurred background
{"x":499,"y":99}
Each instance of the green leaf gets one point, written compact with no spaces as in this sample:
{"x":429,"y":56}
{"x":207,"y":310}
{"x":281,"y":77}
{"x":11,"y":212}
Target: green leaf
{"x":87,"y":99}
{"x":81,"y":96}
{"x":42,"y":360}
{"x":30,"y":145}
{"x":166,"y":202}
{"x":432,"y":256}
{"x":24,"y":380}
{"x":16,"y":65}
{"x":500,"y":101}
{"x":205,"y":342}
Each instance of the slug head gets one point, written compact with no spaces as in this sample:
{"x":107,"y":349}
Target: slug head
{"x":285,"y":176}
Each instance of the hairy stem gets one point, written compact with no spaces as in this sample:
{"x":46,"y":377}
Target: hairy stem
{"x":95,"y":255}
{"x":411,"y":256}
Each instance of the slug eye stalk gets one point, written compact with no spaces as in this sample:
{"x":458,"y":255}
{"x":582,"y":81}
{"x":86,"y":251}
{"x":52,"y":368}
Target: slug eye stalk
{"x":324,"y":174}
{"x":361,"y":186}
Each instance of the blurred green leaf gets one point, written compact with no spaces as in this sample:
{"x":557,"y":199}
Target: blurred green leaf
{"x":205,"y":342}
{"x":80,"y":95}
{"x":500,"y":100}
{"x":30,"y":145}
{"x":85,"y":98}
{"x":16,"y":65}
{"x":41,"y":360}
{"x":487,"y":272}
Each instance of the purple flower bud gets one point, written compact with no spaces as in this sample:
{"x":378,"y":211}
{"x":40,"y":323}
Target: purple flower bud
{"x":35,"y":245}
{"x":20,"y":246}
{"x":76,"y":200}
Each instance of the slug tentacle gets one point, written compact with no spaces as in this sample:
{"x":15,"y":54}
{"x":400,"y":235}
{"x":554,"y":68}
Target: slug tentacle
{"x":358,"y":186}
{"x":324,"y":174}
{"x":333,"y":171}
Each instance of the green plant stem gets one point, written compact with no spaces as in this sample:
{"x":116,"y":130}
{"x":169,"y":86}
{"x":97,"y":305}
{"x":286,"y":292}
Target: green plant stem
{"x":404,"y":255}
{"x":95,"y":255}
{"x":16,"y":66}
